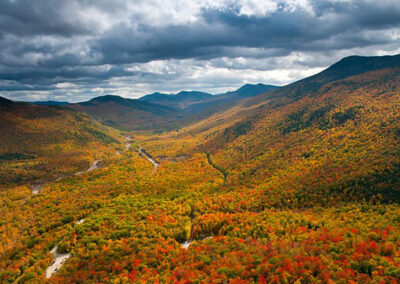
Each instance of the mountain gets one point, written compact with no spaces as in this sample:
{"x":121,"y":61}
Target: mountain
{"x":198,"y":105}
{"x":127,"y":114}
{"x":250,"y":90}
{"x":155,"y":96}
{"x":317,"y":140}
{"x":50,"y":103}
{"x":51,"y":140}
{"x":159,"y":111}
{"x":5,"y":102}
{"x":354,"y":65}
{"x":347,"y":67}
{"x":180,"y":100}
{"x":195,"y":102}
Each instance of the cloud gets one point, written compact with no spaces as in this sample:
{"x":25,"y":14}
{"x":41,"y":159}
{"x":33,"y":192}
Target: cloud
{"x":78,"y":49}
{"x":65,"y":85}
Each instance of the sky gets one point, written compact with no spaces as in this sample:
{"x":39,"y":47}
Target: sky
{"x":78,"y":49}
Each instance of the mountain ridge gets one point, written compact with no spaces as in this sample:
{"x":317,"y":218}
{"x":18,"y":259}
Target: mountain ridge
{"x":344,"y":68}
{"x":249,"y":90}
{"x":245,"y":90}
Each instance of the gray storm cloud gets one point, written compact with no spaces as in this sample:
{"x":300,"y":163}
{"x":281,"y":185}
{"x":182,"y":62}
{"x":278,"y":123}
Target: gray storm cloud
{"x":74,"y":50}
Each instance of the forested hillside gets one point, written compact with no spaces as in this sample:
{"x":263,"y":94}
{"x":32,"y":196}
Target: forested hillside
{"x":339,"y":143}
{"x":39,"y":142}
{"x":127,"y":114}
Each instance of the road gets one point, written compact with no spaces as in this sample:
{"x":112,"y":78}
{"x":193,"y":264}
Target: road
{"x":59,"y":259}
{"x":37,"y":188}
{"x":94,"y":165}
{"x":143,"y":153}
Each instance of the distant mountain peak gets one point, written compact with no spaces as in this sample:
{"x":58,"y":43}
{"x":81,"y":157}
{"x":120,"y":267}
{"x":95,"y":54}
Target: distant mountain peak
{"x":107,"y":98}
{"x":50,"y":103}
{"x":354,"y":65}
{"x":343,"y":69}
{"x":192,"y":92}
{"x":249,"y":90}
{"x":156,"y":94}
{"x":180,"y":100}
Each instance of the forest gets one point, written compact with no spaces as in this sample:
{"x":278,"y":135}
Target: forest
{"x":283,"y":189}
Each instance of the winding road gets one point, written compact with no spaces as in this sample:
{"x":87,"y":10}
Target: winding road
{"x":37,"y":188}
{"x":187,"y":244}
{"x":143,"y":153}
{"x":94,"y":165}
{"x":59,"y":259}
{"x":127,"y":143}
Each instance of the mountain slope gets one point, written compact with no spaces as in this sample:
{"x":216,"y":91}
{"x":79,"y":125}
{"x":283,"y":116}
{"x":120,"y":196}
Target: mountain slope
{"x":128,"y":114}
{"x":250,"y":90}
{"x":38,"y":142}
{"x":5,"y":102}
{"x":348,"y":66}
{"x":328,"y":138}
{"x":338,"y":142}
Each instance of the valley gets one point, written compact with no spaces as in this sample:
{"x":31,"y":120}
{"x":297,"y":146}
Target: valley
{"x":297,"y":184}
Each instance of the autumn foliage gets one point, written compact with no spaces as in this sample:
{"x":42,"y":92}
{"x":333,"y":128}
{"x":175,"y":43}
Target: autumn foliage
{"x":301,"y":190}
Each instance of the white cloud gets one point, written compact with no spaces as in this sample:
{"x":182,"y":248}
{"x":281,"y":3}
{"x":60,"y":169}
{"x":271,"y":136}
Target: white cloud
{"x":257,"y":8}
{"x":98,"y":90}
{"x":65,"y":85}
